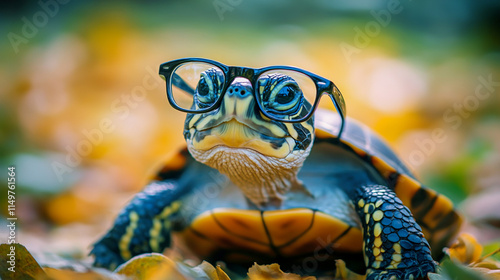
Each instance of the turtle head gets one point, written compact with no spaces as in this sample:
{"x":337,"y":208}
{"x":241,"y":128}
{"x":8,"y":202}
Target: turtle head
{"x":260,"y":155}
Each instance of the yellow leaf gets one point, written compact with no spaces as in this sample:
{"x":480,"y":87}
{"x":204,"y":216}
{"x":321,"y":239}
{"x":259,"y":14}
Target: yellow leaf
{"x":488,"y":264}
{"x":150,"y":266}
{"x":17,"y":263}
{"x":466,"y":249}
{"x":488,"y":273}
{"x":215,"y":273}
{"x":343,"y":273}
{"x":63,"y":274}
{"x":273,"y":271}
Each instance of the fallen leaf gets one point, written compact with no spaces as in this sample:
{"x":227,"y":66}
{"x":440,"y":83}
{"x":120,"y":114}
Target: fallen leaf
{"x":488,"y":273}
{"x":343,"y":273}
{"x":63,"y":274}
{"x":465,"y":250}
{"x":150,"y":266}
{"x":457,"y":271}
{"x":492,"y":251}
{"x":17,"y":263}
{"x":215,"y":273}
{"x":437,"y":276}
{"x":273,"y":271}
{"x":205,"y":270}
{"x":493,"y":265}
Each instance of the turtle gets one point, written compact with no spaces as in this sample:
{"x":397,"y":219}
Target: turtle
{"x":265,"y":176}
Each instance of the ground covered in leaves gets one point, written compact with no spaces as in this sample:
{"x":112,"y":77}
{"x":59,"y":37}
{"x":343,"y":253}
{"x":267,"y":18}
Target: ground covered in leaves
{"x":466,"y":259}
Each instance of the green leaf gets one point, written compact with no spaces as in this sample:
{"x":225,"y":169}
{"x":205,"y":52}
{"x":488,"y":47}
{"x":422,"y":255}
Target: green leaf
{"x":490,"y":248}
{"x":436,"y":276}
{"x":458,"y":271}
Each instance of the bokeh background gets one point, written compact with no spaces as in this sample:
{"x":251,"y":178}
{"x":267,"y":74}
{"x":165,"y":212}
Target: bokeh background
{"x":85,"y":120}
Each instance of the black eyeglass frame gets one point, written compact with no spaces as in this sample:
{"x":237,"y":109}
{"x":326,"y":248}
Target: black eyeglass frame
{"x":252,"y":74}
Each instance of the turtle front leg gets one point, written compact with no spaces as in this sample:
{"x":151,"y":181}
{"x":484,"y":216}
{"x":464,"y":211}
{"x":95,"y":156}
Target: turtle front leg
{"x":393,"y":243}
{"x":142,"y":227}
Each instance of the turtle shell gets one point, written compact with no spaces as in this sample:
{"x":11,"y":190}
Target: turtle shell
{"x":433,"y":211}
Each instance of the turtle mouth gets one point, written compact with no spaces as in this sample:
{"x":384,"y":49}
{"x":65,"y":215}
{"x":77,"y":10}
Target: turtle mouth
{"x":234,"y":120}
{"x":237,"y":134}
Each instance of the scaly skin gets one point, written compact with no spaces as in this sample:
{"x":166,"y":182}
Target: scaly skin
{"x":394,"y":245}
{"x":141,"y":227}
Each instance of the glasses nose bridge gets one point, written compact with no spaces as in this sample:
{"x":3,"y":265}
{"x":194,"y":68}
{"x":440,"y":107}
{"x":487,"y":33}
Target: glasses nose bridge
{"x":234,"y":75}
{"x":244,"y":72}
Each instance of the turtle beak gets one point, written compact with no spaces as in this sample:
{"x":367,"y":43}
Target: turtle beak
{"x":239,"y":102}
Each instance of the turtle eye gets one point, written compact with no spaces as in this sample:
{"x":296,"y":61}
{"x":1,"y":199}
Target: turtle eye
{"x":280,"y":94}
{"x":286,"y":97}
{"x":209,"y":88}
{"x":195,"y":85}
{"x":286,"y":94}
{"x":203,"y":90}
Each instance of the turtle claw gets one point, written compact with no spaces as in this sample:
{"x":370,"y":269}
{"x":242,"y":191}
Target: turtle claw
{"x":410,"y":273}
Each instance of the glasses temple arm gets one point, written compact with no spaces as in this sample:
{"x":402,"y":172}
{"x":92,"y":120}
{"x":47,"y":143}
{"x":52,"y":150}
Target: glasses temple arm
{"x":180,"y":83}
{"x":340,"y":108}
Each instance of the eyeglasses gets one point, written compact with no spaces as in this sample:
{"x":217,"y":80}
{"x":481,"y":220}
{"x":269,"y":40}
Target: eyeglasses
{"x":282,"y":93}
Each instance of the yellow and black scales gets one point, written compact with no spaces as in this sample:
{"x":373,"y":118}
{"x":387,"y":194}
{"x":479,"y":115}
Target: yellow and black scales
{"x":364,"y":207}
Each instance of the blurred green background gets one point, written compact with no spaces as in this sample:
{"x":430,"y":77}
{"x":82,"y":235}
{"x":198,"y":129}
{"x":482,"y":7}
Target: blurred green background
{"x":85,"y":120}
